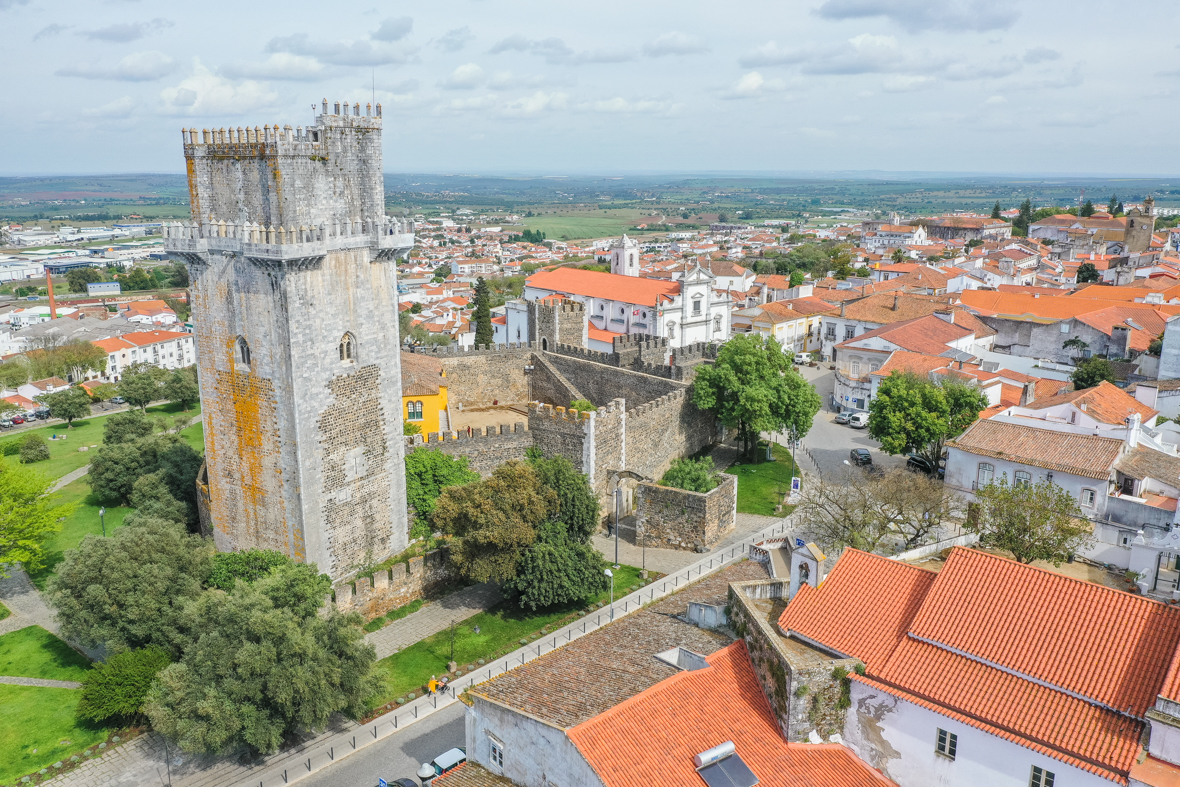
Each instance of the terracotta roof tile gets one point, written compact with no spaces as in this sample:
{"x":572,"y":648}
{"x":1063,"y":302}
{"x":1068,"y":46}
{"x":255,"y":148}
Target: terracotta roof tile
{"x":471,"y":774}
{"x":1104,"y":402}
{"x":610,"y":286}
{"x":422,"y":375}
{"x":662,"y":728}
{"x":1083,"y":455}
{"x":929,"y":335}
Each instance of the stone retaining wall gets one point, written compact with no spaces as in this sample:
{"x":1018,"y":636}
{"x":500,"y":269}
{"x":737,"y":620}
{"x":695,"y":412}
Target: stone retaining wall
{"x":485,"y":449}
{"x":678,"y":519}
{"x":394,"y":588}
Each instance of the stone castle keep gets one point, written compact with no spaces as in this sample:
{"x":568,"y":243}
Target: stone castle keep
{"x":291,"y":258}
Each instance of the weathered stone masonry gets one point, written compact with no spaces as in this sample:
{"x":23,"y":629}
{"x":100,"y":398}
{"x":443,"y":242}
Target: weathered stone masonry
{"x":396,"y":587}
{"x":678,"y":519}
{"x":290,"y":256}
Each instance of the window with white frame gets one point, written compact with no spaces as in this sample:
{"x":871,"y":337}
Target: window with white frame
{"x":696,"y":306}
{"x":849,"y":332}
{"x":498,"y":754}
{"x":830,"y":332}
{"x":1022,"y":478}
{"x":984,"y":476}
{"x":1040,"y":777}
{"x":1088,"y":497}
{"x":947,"y":743}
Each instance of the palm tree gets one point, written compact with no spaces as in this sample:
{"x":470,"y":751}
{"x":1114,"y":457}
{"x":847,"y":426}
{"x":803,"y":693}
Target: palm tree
{"x":898,"y":255}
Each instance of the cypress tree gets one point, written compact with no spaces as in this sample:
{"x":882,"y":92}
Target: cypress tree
{"x":483,"y":314}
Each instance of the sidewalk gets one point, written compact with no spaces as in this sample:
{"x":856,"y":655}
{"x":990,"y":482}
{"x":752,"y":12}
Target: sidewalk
{"x":433,"y":618}
{"x":25,"y":603}
{"x":141,"y":761}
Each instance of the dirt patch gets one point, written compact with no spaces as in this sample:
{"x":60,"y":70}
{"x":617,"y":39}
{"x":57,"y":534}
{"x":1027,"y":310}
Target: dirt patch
{"x":480,"y":417}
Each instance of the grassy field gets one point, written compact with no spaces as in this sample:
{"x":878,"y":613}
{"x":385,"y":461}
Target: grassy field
{"x":500,"y":631}
{"x":82,"y":521}
{"x":33,"y":652}
{"x":578,"y":224}
{"x":39,"y":725}
{"x":4,"y":612}
{"x":762,"y":484}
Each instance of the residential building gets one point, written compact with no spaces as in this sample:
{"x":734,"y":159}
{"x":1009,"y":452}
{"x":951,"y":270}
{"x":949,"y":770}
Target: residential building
{"x":165,"y":349}
{"x":41,"y":387}
{"x":857,"y":317}
{"x":424,"y":393}
{"x":967,"y":228}
{"x":153,"y":312}
{"x":795,"y":324}
{"x":893,"y":236}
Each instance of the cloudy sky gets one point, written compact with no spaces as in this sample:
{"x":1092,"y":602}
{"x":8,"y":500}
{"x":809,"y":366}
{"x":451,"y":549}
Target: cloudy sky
{"x":1048,"y":86}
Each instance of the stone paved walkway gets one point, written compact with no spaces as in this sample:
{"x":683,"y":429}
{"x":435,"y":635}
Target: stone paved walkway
{"x":46,"y":684}
{"x":433,"y":618}
{"x":70,"y":477}
{"x":25,"y":603}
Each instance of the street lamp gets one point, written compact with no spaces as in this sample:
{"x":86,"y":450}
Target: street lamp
{"x":618,"y":494}
{"x":612,"y":592}
{"x":102,"y":517}
{"x":452,"y":641}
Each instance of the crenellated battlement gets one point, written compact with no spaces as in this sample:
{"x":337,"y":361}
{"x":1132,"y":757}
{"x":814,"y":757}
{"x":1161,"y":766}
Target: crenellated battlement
{"x":389,"y":236}
{"x":483,"y":433}
{"x":511,"y":348}
{"x":272,"y":140}
{"x":561,"y":413}
{"x":674,"y":399}
{"x":597,"y":356}
{"x":639,"y":342}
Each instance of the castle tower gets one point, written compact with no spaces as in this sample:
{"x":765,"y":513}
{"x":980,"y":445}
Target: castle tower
{"x":624,"y":257}
{"x":294,"y":300}
{"x":1140,"y":226}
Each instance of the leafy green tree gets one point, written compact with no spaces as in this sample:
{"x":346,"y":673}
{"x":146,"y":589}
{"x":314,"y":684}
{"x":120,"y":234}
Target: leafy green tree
{"x":482,"y":316}
{"x":248,"y":565}
{"x":141,"y":384}
{"x":14,"y":373}
{"x":693,"y":475}
{"x":138,"y":279}
{"x":1021,"y":222}
{"x":69,"y":405}
{"x":428,"y":473}
{"x":796,"y":278}
{"x":181,"y":388}
{"x":557,"y":570}
{"x":583,"y":406}
{"x":1156,"y":346}
{"x":1087,"y":209}
{"x":1113,"y":206}
{"x":29,"y":513}
{"x":1032,"y":522}
{"x":1119,"y":210}
{"x":114,"y":691}
{"x":996,"y":211}
{"x":914,"y":415}
{"x":33,"y":448}
{"x":752,"y":387}
{"x":577,"y":505}
{"x":126,"y":427}
{"x":257,"y":670}
{"x":70,"y":360}
{"x":128,"y":590}
{"x":494,"y":521}
{"x":78,"y":278}
{"x":898,"y":255}
{"x":102,"y":392}
{"x":1091,"y":372}
{"x":114,"y":470}
{"x":151,"y":497}
{"x":1087,"y":272}
{"x":1077,"y":345}
{"x":409,"y":428}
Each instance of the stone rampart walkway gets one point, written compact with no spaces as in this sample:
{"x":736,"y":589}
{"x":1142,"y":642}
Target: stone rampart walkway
{"x":45,"y":684}
{"x":433,"y":618}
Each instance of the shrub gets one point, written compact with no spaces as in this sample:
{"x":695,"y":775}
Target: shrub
{"x":116,"y":690}
{"x":247,"y":565}
{"x":11,"y":447}
{"x":583,"y":406}
{"x":692,"y":475}
{"x":33,"y":448}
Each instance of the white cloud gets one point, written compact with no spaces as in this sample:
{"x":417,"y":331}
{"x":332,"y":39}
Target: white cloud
{"x":280,"y":65}
{"x":126,"y":32}
{"x":622,"y":106}
{"x":340,"y":53}
{"x":119,"y":108}
{"x":769,"y":54}
{"x":464,"y":77}
{"x":394,"y":29}
{"x":471,"y":104}
{"x":137,"y":67}
{"x":556,"y":51}
{"x":950,"y":15}
{"x":536,"y":103}
{"x":1041,"y":54}
{"x":454,"y":40}
{"x":754,"y":84}
{"x":204,"y":94}
{"x":674,"y":43}
{"x":996,"y":100}
{"x":906,"y":83}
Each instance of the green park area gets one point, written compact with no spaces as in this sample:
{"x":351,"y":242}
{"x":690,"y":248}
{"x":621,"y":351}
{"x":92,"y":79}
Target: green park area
{"x":501,"y":630}
{"x":39,"y":726}
{"x":584,"y":223}
{"x":763,"y":484}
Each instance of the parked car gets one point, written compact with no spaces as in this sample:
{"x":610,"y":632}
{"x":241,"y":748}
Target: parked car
{"x":118,"y":400}
{"x":859,"y":420}
{"x":842,"y":418}
{"x":41,"y":413}
{"x":6,"y":424}
{"x":802,"y":358}
{"x":18,"y":419}
{"x":920,"y":464}
{"x":449,"y":760}
{"x":860,"y":457}
{"x":399,"y":783}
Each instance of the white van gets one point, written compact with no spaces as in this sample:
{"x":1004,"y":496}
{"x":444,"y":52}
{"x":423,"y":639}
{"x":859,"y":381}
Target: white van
{"x":802,"y":358}
{"x":858,"y":420}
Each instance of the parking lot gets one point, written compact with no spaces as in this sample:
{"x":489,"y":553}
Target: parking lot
{"x":830,"y":442}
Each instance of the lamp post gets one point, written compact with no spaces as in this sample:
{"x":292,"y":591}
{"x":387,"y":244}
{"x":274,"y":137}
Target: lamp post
{"x":618,"y":494}
{"x":612,"y":592}
{"x":452,"y":640}
{"x":102,"y":517}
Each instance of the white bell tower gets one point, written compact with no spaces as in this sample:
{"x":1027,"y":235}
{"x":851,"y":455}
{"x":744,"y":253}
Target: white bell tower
{"x":624,"y":257}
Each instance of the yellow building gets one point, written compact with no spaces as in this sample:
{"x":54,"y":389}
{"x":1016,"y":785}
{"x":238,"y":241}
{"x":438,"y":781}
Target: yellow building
{"x":424,"y":393}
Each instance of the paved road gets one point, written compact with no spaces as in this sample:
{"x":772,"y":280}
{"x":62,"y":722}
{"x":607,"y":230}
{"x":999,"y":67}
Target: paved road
{"x":830,"y":442}
{"x":399,"y":755}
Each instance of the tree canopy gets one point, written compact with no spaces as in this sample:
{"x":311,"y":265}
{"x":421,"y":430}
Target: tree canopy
{"x":693,"y":475}
{"x":69,"y":405}
{"x":248,"y":565}
{"x":428,"y":472}
{"x":141,"y":384}
{"x":1092,"y":371}
{"x":482,"y":315}
{"x":181,"y":388}
{"x":752,"y":387}
{"x":914,"y":415}
{"x":29,"y":513}
{"x":78,"y":278}
{"x":115,"y":691}
{"x":1032,"y":522}
{"x":1087,"y":272}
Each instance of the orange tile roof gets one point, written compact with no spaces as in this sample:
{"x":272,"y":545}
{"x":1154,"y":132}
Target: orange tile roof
{"x":1084,"y":455}
{"x":21,"y":401}
{"x":1047,"y":308}
{"x":913,"y":363}
{"x":929,"y":335}
{"x":1156,"y":773}
{"x":601,"y":335}
{"x":144,"y":338}
{"x":608,"y":286}
{"x":662,"y":728}
{"x":1148,"y":323}
{"x":111,"y":346}
{"x":1104,"y":402}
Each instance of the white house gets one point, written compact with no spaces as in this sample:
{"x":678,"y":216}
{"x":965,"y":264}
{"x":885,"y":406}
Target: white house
{"x":165,"y":349}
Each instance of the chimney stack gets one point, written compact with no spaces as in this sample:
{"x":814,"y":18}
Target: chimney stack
{"x":895,"y":298}
{"x":1029,"y":393}
{"x":52,"y":301}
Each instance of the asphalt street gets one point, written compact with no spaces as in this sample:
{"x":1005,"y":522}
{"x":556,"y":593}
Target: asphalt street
{"x":830,"y":442}
{"x":398,"y":756}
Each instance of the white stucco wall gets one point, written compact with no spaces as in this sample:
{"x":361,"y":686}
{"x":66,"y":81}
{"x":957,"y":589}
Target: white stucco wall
{"x":898,"y":738}
{"x":962,"y":470}
{"x":535,"y":754}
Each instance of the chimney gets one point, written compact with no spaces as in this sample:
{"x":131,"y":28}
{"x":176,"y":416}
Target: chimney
{"x":946,"y":315}
{"x":1029,"y":393}
{"x":841,"y":308}
{"x":52,"y":302}
{"x":1134,"y":421}
{"x":895,"y":298}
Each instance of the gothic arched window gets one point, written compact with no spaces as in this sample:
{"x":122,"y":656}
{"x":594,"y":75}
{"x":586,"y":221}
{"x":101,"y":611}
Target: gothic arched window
{"x":348,"y":348}
{"x":243,"y":351}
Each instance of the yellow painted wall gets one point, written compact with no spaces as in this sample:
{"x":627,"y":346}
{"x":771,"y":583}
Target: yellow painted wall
{"x":432,"y":406}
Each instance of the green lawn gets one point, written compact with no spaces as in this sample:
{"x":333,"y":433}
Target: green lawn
{"x":33,"y":652}
{"x":500,"y":632}
{"x":762,"y":484}
{"x":4,"y":612}
{"x":574,"y":225}
{"x":83,"y":520}
{"x":39,"y":727}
